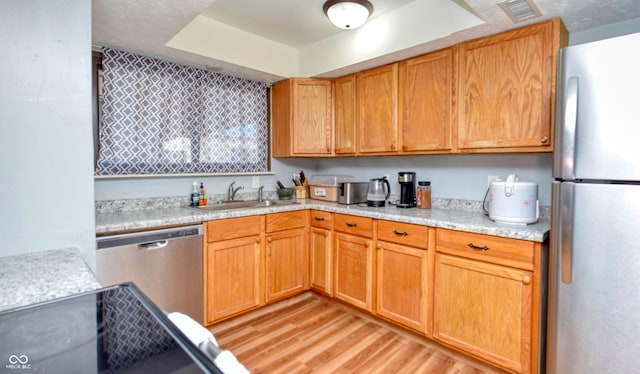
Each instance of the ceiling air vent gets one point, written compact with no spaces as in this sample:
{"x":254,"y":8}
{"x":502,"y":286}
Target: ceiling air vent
{"x":520,"y":10}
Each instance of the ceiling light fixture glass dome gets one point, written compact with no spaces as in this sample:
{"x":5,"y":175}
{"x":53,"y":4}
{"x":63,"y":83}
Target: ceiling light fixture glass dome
{"x":347,"y":14}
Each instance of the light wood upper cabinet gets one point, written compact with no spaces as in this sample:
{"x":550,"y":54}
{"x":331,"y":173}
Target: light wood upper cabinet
{"x":377,"y":97}
{"x":302,"y":118}
{"x":506,"y":97}
{"x":345,"y":114}
{"x":426,"y":102}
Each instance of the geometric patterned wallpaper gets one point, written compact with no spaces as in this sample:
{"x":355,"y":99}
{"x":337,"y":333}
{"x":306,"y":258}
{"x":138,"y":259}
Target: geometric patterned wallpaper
{"x":159,"y":117}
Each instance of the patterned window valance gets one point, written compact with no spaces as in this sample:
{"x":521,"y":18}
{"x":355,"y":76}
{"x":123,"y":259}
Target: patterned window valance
{"x":158,"y":117}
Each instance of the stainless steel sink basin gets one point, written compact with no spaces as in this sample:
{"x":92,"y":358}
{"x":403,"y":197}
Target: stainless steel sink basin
{"x":224,"y":205}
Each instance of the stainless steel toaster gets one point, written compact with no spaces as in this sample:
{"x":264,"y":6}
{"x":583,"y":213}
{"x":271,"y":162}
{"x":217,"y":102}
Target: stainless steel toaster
{"x":352,"y":192}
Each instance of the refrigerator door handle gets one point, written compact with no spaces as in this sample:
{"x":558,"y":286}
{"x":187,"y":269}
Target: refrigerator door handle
{"x":567,"y":139}
{"x":563,"y":228}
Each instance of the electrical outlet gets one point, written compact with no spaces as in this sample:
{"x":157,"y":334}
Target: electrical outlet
{"x":255,"y":181}
{"x":490,"y":179}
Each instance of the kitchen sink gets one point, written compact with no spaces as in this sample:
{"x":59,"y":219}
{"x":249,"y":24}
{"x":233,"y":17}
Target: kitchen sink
{"x":224,"y":205}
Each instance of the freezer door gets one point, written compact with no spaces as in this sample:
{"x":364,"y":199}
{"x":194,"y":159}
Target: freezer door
{"x":598,"y":111}
{"x":594,"y":312}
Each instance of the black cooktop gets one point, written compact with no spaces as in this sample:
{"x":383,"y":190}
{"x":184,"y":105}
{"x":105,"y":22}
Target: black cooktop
{"x":111,"y":330}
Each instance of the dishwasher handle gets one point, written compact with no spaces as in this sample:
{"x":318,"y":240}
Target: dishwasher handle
{"x":147,"y":240}
{"x":153,"y":245}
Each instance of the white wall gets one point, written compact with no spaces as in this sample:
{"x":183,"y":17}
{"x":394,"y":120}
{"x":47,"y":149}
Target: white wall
{"x":46,"y":176}
{"x":454,"y":177}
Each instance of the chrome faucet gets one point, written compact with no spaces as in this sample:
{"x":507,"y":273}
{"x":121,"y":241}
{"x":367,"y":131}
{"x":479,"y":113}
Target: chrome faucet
{"x":260,"y":193}
{"x":231,"y":192}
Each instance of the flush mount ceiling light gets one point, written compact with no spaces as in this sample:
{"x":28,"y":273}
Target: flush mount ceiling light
{"x":347,"y":14}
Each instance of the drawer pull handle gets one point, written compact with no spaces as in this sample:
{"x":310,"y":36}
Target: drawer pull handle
{"x":473,"y":246}
{"x":351,"y":224}
{"x":319,"y":218}
{"x":403,"y":233}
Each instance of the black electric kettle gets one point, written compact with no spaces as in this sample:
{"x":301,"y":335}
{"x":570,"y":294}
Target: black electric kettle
{"x":376,"y":195}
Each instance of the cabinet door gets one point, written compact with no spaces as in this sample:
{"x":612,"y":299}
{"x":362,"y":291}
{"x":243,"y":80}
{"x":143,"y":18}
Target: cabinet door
{"x":507,"y":90}
{"x":485,"y":310}
{"x":301,"y":118}
{"x":233,"y":274}
{"x":312,"y":126}
{"x":426,"y":102}
{"x":378,"y":110}
{"x":287,"y":264}
{"x":320,"y":245}
{"x":353,"y":280}
{"x":402,"y":285}
{"x":345,"y":114}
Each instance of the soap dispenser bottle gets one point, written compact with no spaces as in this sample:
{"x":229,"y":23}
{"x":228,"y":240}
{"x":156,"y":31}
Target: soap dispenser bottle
{"x":203,"y":194}
{"x":195,"y":195}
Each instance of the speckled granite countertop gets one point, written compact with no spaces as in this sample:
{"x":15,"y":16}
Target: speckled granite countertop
{"x":451,"y":214}
{"x":41,"y":276}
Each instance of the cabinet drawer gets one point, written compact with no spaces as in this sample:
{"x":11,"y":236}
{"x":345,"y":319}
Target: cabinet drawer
{"x":354,"y":225}
{"x":286,"y":220}
{"x":403,"y":233}
{"x":232,"y":228}
{"x":321,"y":219}
{"x":494,"y":249}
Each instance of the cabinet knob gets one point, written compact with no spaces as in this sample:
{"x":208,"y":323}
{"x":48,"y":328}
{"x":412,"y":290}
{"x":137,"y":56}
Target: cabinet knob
{"x":544,"y":139}
{"x":379,"y":245}
{"x":269,"y":239}
{"x":393,"y":146}
{"x":326,"y":234}
{"x":526,"y":280}
{"x":258,"y":239}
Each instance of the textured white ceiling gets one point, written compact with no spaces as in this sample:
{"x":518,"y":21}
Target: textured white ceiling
{"x":145,"y":26}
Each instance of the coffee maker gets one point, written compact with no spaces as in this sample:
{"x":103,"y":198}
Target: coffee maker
{"x":407,"y":180}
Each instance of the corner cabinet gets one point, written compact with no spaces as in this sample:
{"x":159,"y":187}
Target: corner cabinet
{"x":302,"y":114}
{"x":506,"y":96}
{"x":377,"y":97}
{"x":487,"y":298}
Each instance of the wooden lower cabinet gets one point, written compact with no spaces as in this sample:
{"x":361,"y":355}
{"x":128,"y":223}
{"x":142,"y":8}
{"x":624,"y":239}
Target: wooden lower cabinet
{"x":232,"y":277}
{"x":485,"y":310}
{"x":287,"y":264}
{"x":402,"y":285}
{"x":320,"y":245}
{"x":353,"y":264}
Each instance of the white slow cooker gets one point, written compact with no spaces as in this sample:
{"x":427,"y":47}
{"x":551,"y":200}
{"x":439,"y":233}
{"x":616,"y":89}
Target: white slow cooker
{"x":513,"y":202}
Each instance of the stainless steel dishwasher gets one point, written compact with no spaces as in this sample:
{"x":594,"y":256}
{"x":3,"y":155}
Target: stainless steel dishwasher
{"x":165,"y":264}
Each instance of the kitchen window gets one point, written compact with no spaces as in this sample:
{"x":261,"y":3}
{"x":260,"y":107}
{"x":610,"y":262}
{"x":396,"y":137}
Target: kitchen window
{"x":161,"y":118}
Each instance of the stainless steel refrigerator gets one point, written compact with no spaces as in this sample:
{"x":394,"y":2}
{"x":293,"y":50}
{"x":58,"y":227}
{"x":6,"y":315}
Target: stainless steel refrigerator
{"x":594,"y":286}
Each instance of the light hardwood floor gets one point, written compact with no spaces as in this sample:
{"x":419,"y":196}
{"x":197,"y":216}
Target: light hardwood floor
{"x":309,"y":333}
